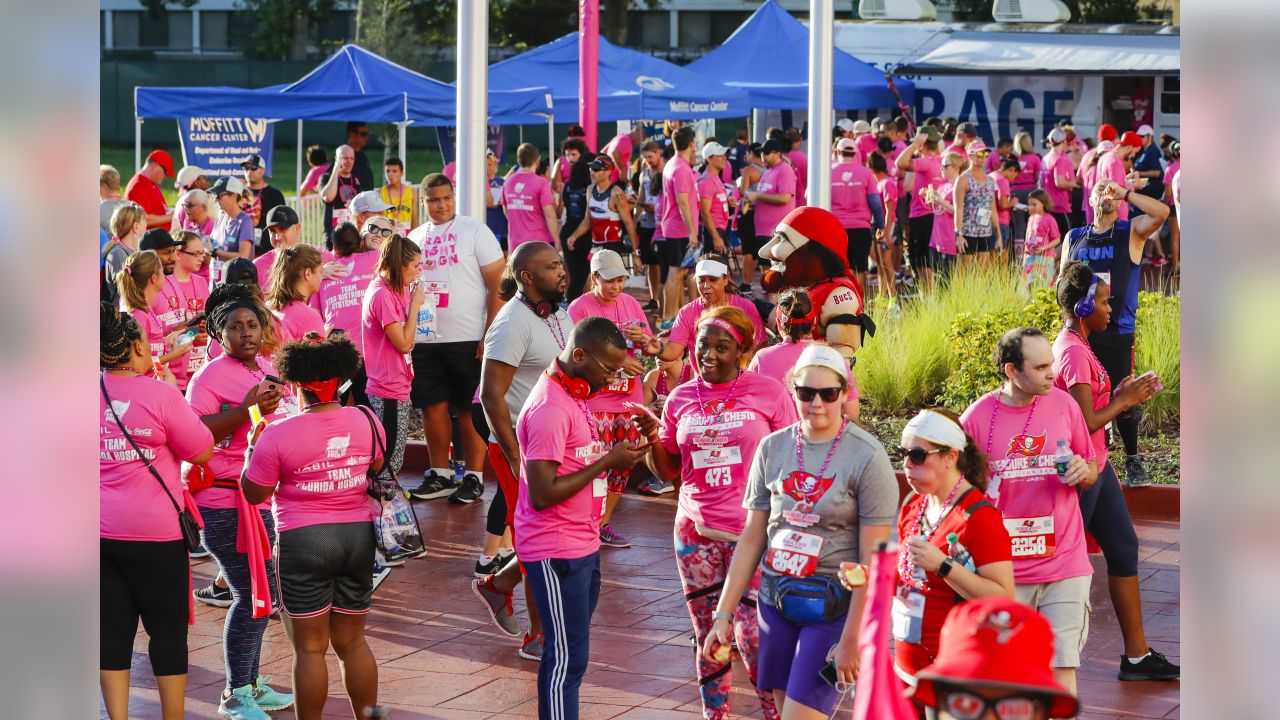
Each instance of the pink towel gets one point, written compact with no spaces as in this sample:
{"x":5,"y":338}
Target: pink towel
{"x":190,"y":504}
{"x":251,"y":539}
{"x":880,"y":694}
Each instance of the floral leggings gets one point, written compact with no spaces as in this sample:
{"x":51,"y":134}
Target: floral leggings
{"x":615,"y":429}
{"x":704,"y":565}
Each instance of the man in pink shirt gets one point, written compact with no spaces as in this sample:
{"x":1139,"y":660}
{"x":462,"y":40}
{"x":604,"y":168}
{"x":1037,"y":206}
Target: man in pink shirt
{"x":1004,"y":148}
{"x":528,"y":202}
{"x":1088,"y":170}
{"x":856,"y":202}
{"x":1111,"y":166}
{"x":561,"y":497}
{"x":774,"y":197}
{"x":679,"y":218}
{"x":1058,"y":176}
{"x":800,"y":161}
{"x":620,"y":149}
{"x":286,"y":231}
{"x":864,"y":139}
{"x":966,"y":132}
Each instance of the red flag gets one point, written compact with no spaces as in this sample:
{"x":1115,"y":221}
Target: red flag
{"x":880,"y":694}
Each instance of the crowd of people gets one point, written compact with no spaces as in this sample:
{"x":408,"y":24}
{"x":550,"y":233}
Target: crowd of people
{"x":257,"y":387}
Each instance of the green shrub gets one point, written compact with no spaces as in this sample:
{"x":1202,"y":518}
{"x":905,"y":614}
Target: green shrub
{"x":1157,"y":347}
{"x":973,"y":339}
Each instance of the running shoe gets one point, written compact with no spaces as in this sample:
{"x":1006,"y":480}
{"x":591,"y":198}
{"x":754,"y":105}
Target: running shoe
{"x":497,"y":604}
{"x":269,"y":699}
{"x":653,"y":486}
{"x":380,"y":573}
{"x":531,"y":648}
{"x":609,"y":538}
{"x":494,"y":565}
{"x":200,"y":552}
{"x":433,"y":486}
{"x":745,"y":288}
{"x":1135,"y":474}
{"x":214,"y":595}
{"x":667,"y":324}
{"x":1155,"y":666}
{"x":469,"y":490}
{"x":240,"y":705}
{"x":506,"y":556}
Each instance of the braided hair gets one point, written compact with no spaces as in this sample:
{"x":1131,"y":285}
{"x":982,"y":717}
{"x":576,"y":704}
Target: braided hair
{"x":117,"y":332}
{"x":228,"y":297}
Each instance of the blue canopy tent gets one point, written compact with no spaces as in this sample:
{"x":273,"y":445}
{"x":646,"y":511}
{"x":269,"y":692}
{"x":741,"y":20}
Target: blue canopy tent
{"x":768,"y":58}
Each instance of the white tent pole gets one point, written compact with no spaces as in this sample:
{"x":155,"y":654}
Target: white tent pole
{"x":551,"y":140}
{"x":821,"y":43}
{"x":403,"y":158}
{"x":473,"y":92}
{"x":297,"y":188}
{"x":137,"y":143}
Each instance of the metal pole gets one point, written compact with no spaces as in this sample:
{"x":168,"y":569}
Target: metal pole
{"x":473,"y":91}
{"x":297,"y":186}
{"x":821,"y":44}
{"x":551,"y":140}
{"x":137,"y":143}
{"x":403,"y":158}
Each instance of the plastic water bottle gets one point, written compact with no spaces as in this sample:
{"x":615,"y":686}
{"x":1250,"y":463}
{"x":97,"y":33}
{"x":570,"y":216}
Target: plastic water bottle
{"x":1062,"y":459}
{"x":959,"y":552}
{"x":187,"y":337}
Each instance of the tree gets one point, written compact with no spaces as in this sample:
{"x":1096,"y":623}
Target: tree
{"x":280,"y":28}
{"x":382,"y":27}
{"x":529,"y":23}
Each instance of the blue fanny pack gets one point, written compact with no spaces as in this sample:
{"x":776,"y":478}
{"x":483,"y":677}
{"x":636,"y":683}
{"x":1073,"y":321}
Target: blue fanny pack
{"x":811,"y":600}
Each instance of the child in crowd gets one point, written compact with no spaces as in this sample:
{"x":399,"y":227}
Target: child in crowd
{"x":1043,"y":239}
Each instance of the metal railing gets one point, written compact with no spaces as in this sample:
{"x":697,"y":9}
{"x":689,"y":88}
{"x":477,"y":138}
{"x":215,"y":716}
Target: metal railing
{"x":310,"y":216}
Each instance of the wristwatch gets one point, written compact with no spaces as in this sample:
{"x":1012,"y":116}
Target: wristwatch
{"x":944,"y":568}
{"x":721,"y":615}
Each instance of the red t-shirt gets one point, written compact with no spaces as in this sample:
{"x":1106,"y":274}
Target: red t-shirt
{"x":147,"y":194}
{"x":982,"y":532}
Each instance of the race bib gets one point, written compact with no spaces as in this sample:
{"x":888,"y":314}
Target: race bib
{"x":984,"y":216}
{"x":716,"y":457}
{"x":793,"y":553}
{"x":439,"y":288}
{"x":1031,"y":537}
{"x":908,"y":616}
{"x":340,"y":215}
{"x":621,"y":386}
{"x":196,"y":359}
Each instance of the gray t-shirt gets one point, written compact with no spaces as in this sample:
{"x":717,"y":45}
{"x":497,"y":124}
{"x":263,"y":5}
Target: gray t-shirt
{"x":863,"y":491}
{"x":526,"y":342}
{"x":107,"y":208}
{"x":114,"y":261}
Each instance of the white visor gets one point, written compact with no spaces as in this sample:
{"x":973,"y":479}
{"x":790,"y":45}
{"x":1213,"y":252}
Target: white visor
{"x":937,"y":429}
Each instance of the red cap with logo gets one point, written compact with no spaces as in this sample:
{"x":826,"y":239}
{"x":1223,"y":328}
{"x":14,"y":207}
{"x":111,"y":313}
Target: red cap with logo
{"x":1131,"y":138}
{"x":999,"y":643}
{"x":1106,"y":132}
{"x":162,"y":159}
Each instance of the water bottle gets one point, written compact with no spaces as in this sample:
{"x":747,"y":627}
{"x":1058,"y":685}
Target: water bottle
{"x":959,"y":552}
{"x":1062,"y":459}
{"x":377,"y":712}
{"x":187,"y":337}
{"x":459,"y":469}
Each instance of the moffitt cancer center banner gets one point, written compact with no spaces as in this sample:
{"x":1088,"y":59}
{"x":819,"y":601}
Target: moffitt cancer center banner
{"x":218,"y":145}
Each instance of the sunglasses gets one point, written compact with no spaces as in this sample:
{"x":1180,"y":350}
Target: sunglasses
{"x":828,"y":394}
{"x":375,"y":230}
{"x":917,"y":455}
{"x":969,"y":706}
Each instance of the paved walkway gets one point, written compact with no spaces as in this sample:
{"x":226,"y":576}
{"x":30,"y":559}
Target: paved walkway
{"x":439,"y":657}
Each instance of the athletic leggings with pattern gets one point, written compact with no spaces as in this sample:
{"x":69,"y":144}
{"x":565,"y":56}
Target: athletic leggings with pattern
{"x":704,"y":564}
{"x":241,"y":632}
{"x":394,"y":415}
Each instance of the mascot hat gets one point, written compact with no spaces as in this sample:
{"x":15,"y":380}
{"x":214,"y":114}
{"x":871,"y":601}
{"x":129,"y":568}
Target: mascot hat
{"x":817,"y":225}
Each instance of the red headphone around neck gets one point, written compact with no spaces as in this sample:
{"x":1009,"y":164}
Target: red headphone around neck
{"x":542,"y":309}
{"x":577,"y":388}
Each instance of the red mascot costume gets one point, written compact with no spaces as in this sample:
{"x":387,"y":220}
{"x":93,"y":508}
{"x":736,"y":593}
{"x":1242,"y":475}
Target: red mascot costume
{"x":808,"y":251}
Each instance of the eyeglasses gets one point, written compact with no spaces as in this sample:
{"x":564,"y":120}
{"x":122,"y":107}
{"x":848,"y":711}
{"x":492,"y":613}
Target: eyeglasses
{"x":828,"y":394}
{"x":917,"y":455}
{"x":376,"y":230}
{"x":970,"y":706}
{"x":620,"y":373}
{"x":198,"y":253}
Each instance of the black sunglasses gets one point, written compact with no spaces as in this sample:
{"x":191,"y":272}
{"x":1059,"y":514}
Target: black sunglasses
{"x":969,"y":706}
{"x":375,"y":230}
{"x":829,"y":394}
{"x":917,"y":455}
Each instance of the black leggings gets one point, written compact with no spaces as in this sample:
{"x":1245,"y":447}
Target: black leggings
{"x":496,"y":522}
{"x":1115,"y":354}
{"x":918,"y":242}
{"x":1106,"y":517}
{"x":578,"y":260}
{"x":147,"y":580}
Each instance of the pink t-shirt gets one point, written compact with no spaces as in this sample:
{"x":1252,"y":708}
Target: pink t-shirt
{"x":339,"y":299}
{"x":622,"y":145}
{"x":780,"y":178}
{"x":133,"y":505}
{"x":312,"y":180}
{"x":450,"y":171}
{"x":295,"y":321}
{"x":776,"y":361}
{"x":889,"y":191}
{"x":624,"y":311}
{"x":390,"y":371}
{"x":524,"y":195}
{"x":1041,"y":512}
{"x":151,"y":329}
{"x":865,"y":144}
{"x":685,"y":329}
{"x":318,"y":463}
{"x":1057,"y":166}
{"x":1030,"y":164}
{"x":1042,"y":229}
{"x":678,"y":177}
{"x":1075,"y":364}
{"x":852,"y":186}
{"x":928,"y":173}
{"x":716,"y":435}
{"x":800,"y":164}
{"x":1002,"y":194}
{"x":1170,"y":171}
{"x":173,"y":306}
{"x":553,"y":427}
{"x":218,"y":386}
{"x":1111,"y":167}
{"x":943,"y":238}
{"x":263,"y":264}
{"x":713,"y":188}
{"x":993,"y":163}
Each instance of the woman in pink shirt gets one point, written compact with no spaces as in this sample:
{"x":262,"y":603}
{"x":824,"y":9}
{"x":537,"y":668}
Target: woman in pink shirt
{"x":709,"y":432}
{"x":796,"y":331}
{"x":181,"y":300}
{"x":339,"y":298}
{"x":942,"y":242}
{"x":222,"y":394}
{"x":314,"y":467}
{"x":295,"y":276}
{"x":888,"y":257}
{"x":143,"y":563}
{"x":711,"y":275}
{"x":388,"y":319}
{"x":140,"y":283}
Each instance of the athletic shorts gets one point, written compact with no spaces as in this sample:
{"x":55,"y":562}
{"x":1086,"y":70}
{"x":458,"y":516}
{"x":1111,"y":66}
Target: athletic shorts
{"x":445,"y":371}
{"x":1065,"y":604}
{"x":751,"y":244}
{"x":979,"y":243}
{"x":673,"y":251}
{"x":709,"y":245}
{"x":859,"y":250}
{"x":326,"y":567}
{"x":648,"y":252}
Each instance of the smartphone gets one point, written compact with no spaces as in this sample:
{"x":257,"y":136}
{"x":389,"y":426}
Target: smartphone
{"x":196,"y":319}
{"x":1152,"y":373}
{"x":828,"y":673}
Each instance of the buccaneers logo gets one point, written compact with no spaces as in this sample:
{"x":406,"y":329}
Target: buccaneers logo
{"x":715,"y":407}
{"x":805,"y":488}
{"x":1026,"y":445}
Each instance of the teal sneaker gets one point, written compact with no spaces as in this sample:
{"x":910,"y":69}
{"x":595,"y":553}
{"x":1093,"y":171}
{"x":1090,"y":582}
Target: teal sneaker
{"x":240,"y":705}
{"x":269,"y":699}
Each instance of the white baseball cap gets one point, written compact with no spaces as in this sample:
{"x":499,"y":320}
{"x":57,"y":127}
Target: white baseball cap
{"x":845,"y":124}
{"x":367,"y":201}
{"x":823,"y":356}
{"x":713,"y":149}
{"x":861,"y":126}
{"x":846,"y":144}
{"x":1146,"y":130}
{"x":1056,"y":136}
{"x":187,"y":176}
{"x":608,"y":265}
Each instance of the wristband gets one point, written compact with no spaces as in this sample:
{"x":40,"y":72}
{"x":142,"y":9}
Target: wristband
{"x":720,"y":615}
{"x":1126,"y":195}
{"x":944,"y":568}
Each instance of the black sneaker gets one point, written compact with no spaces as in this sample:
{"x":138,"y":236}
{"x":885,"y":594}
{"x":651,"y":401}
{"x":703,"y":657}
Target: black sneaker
{"x":495,"y":564}
{"x":469,"y":490}
{"x":214,"y":595}
{"x":1135,"y":474}
{"x":1154,"y":666}
{"x":745,"y":289}
{"x":433,"y":486}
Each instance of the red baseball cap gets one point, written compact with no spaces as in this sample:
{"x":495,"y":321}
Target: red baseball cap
{"x":1106,"y":132}
{"x":162,"y":159}
{"x":999,"y":643}
{"x":1131,"y":139}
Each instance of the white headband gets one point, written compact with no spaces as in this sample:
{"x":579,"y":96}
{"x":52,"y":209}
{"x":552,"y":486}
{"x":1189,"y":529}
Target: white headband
{"x":713,"y":268}
{"x":937,"y":429}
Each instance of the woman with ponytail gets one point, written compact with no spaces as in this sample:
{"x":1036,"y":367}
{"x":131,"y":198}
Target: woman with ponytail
{"x":145,"y":571}
{"x":314,"y":467}
{"x":948,"y":477}
{"x":796,"y":331}
{"x":140,"y":282}
{"x":295,"y":277}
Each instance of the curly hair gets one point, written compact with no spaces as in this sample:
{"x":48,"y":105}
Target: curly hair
{"x":117,"y":332}
{"x":1073,"y":285}
{"x":315,"y":358}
